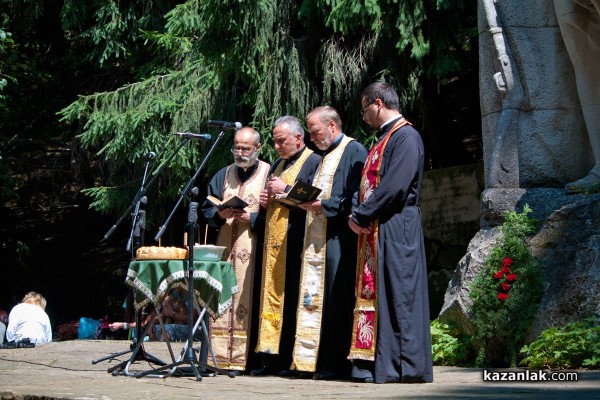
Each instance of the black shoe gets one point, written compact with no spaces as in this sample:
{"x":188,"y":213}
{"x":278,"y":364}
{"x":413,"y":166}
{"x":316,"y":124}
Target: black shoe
{"x":304,"y":375}
{"x":288,"y":373}
{"x":414,"y":380}
{"x":368,"y":379}
{"x":260,"y":372}
{"x":324,"y":376}
{"x":235,"y":372}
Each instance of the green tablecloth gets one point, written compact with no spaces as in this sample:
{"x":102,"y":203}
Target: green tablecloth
{"x":153,"y":279}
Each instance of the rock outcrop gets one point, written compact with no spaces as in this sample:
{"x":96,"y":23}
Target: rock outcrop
{"x":567,"y":243}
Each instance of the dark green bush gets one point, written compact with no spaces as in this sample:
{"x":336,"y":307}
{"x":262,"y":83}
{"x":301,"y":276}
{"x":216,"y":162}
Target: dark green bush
{"x":448,"y":346}
{"x":575,"y":345}
{"x":506,"y":293}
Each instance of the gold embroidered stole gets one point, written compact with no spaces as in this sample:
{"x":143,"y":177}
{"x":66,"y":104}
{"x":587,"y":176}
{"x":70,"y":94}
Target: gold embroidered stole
{"x":364,"y":331}
{"x":229,"y":334}
{"x":274,"y":264}
{"x":312,"y":278}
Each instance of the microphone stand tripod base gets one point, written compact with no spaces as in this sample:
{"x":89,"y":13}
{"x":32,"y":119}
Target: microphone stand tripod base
{"x":136,"y":348}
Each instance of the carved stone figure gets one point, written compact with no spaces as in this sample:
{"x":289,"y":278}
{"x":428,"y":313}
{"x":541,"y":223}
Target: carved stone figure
{"x":579,"y":22}
{"x":534,"y":134}
{"x":540,"y":107}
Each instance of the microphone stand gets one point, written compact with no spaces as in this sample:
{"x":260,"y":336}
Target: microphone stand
{"x":135,"y":214}
{"x":136,"y":203}
{"x":144,"y":188}
{"x":188,"y":354}
{"x":138,"y":228}
{"x":137,"y":343}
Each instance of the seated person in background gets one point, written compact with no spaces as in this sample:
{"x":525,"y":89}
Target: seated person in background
{"x":3,"y":323}
{"x":129,"y":322}
{"x":146,"y":314}
{"x":174,"y":313}
{"x":28,"y":320}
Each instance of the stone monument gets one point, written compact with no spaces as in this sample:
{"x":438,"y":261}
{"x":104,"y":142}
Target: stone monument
{"x":579,"y":22}
{"x":450,"y":207}
{"x":533,"y":131}
{"x":540,"y":136}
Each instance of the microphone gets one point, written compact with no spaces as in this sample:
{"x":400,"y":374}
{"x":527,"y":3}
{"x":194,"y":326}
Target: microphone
{"x":188,"y":135}
{"x":224,"y":124}
{"x":151,"y":155}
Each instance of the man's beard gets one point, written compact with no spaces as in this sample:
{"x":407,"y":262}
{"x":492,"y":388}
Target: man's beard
{"x":325,"y":143}
{"x":246,"y":162}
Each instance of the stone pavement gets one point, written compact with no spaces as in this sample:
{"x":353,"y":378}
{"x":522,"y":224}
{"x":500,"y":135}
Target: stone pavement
{"x":64,"y":370}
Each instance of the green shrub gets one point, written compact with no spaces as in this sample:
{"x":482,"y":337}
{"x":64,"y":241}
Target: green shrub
{"x":506,"y":293}
{"x":574,"y":345}
{"x":447,"y":345}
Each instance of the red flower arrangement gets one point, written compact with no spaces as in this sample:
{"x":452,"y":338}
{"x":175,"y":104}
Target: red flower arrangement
{"x":508,"y":276}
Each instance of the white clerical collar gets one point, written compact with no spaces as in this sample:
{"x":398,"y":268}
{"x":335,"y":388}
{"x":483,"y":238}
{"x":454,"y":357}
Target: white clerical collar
{"x":395,"y":117}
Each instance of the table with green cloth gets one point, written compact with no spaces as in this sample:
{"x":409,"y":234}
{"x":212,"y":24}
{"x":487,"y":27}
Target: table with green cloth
{"x":214,"y":282}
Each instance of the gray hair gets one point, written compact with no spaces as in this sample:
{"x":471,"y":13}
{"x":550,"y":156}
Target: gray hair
{"x":254,"y":133}
{"x":293,"y":123}
{"x":326,"y":114}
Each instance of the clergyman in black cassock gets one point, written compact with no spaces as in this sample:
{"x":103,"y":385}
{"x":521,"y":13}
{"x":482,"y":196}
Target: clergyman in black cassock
{"x":391,"y":339}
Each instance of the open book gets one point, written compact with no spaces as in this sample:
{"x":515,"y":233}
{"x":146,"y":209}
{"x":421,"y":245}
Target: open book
{"x":232,"y":202}
{"x":299,"y":193}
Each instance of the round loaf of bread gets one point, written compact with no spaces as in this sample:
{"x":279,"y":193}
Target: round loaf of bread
{"x":161,"y":253}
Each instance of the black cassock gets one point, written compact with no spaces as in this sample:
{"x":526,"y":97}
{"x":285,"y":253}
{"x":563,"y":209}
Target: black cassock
{"x":340,"y":271}
{"x":403,"y":352}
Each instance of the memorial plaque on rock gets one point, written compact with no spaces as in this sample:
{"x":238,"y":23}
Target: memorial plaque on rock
{"x":450,"y":203}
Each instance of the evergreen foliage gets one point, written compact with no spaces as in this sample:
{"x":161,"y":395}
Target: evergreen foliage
{"x":110,"y":28}
{"x":506,"y":293}
{"x":153,"y":68}
{"x":5,"y":40}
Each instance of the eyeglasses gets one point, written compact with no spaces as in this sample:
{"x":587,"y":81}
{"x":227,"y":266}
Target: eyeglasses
{"x":241,"y":149}
{"x":362,"y":110}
